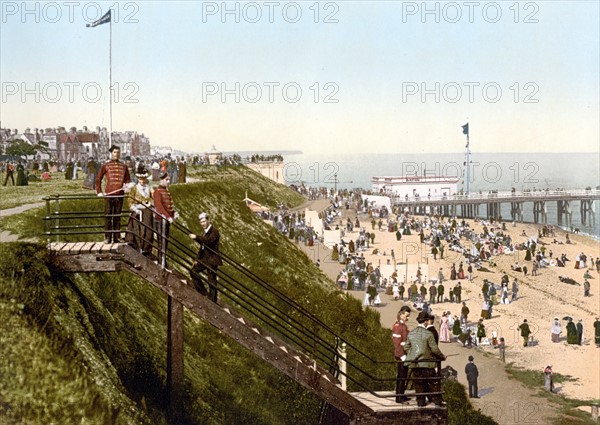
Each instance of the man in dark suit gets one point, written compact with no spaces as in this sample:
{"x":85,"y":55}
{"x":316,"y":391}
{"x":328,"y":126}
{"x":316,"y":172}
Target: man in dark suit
{"x":472,"y":375}
{"x":421,"y":355}
{"x":208,"y":258}
{"x":431,"y":328}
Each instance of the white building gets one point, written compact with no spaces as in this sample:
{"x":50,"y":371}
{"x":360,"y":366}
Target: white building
{"x":270,"y":169}
{"x":415,"y":186}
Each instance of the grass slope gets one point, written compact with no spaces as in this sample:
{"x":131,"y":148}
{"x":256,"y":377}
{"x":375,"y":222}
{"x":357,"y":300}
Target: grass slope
{"x":91,"y":349}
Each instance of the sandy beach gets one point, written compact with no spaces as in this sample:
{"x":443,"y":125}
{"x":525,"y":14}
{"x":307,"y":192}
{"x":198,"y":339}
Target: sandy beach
{"x":541,"y":298}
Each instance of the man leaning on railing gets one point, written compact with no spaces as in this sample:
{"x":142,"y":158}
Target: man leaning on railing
{"x":422,"y":356}
{"x":164,"y":216}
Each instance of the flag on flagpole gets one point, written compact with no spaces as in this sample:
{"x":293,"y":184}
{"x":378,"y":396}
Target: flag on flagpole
{"x":103,"y":20}
{"x":466,"y":129}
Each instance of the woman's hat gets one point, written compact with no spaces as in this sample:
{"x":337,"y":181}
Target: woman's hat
{"x":141,"y":172}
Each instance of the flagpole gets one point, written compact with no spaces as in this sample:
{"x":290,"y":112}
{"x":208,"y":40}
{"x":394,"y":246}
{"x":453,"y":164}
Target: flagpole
{"x":110,"y":82}
{"x":468,"y":164}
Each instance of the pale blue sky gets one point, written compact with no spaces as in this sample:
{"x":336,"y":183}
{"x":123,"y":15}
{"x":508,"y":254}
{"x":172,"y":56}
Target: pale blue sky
{"x":373,"y":54}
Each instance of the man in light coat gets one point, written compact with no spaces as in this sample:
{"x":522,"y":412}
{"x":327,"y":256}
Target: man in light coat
{"x":422,"y":354}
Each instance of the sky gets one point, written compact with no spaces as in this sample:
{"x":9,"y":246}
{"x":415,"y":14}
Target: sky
{"x":320,"y":77}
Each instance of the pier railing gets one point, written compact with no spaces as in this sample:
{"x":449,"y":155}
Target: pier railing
{"x":503,"y":196}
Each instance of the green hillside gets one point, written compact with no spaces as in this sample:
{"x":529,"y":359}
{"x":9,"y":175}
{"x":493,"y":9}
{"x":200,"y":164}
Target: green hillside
{"x":91,"y":348}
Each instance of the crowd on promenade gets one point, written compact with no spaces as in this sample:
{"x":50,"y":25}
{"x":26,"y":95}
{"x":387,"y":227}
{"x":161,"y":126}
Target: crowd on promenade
{"x":19,"y":171}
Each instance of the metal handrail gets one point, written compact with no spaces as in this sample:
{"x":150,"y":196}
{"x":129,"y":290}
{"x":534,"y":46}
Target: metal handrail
{"x":274,"y":316}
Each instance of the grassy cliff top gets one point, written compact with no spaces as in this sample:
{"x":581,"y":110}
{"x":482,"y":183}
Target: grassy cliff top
{"x":91,"y":348}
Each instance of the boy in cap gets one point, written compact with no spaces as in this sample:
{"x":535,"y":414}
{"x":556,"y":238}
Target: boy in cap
{"x":399,"y":336}
{"x":208,"y":258}
{"x":164,"y":216}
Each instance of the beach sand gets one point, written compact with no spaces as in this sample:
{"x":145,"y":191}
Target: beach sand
{"x":541,"y":298}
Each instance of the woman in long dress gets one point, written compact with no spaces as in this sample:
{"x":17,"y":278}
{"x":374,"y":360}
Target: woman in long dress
{"x":139,"y":228}
{"x":444,"y":329}
{"x":21,"y":176}
{"x":91,"y":170}
{"x":396,"y":291}
{"x":556,"y":330}
{"x":456,"y":330}
{"x":461,"y":272}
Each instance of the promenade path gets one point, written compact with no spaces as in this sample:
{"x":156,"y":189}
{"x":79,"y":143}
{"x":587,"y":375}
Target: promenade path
{"x":506,"y":400}
{"x":7,"y":236}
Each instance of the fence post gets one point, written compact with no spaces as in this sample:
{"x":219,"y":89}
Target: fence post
{"x":57,"y":213}
{"x":342,"y":364}
{"x":174,"y":356}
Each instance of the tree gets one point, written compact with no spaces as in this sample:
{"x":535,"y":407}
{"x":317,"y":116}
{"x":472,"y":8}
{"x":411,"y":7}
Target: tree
{"x":22,"y":148}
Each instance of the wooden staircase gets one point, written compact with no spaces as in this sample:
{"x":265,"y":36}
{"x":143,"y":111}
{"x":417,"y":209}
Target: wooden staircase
{"x":359,"y":408}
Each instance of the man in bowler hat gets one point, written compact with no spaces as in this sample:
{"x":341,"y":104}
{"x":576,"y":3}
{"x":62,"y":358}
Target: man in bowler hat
{"x":472,"y":375}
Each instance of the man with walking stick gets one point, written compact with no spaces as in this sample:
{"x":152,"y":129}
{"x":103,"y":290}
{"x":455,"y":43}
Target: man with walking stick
{"x":117,"y":176}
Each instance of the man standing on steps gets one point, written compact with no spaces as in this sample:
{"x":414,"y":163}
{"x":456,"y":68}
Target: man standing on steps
{"x":399,"y":335}
{"x":421,"y":355}
{"x":472,"y":375}
{"x":208,"y":258}
{"x":164,"y":216}
{"x":117,"y":176}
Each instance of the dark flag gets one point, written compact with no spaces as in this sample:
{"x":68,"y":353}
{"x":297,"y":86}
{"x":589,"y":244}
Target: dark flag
{"x":103,"y":20}
{"x":466,"y":129}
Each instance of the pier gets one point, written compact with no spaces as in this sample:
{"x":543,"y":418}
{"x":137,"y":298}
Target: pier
{"x":489,"y":205}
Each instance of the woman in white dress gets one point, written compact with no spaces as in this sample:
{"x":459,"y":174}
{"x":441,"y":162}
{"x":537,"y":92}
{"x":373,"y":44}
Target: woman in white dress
{"x":396,"y":291}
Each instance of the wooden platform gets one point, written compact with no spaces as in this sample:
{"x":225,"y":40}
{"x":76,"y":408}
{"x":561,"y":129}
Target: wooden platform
{"x":385,"y":401}
{"x":87,"y":257}
{"x":72,"y":248}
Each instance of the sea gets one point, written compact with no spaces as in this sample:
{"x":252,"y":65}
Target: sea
{"x":488,"y":171}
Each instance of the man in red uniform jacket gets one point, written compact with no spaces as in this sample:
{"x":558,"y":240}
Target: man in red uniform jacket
{"x":164,"y":216}
{"x":208,"y":258}
{"x":117,"y":176}
{"x":399,"y":335}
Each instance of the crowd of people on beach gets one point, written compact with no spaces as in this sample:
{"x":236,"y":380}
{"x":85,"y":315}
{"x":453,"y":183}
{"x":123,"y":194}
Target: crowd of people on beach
{"x":475,"y":252}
